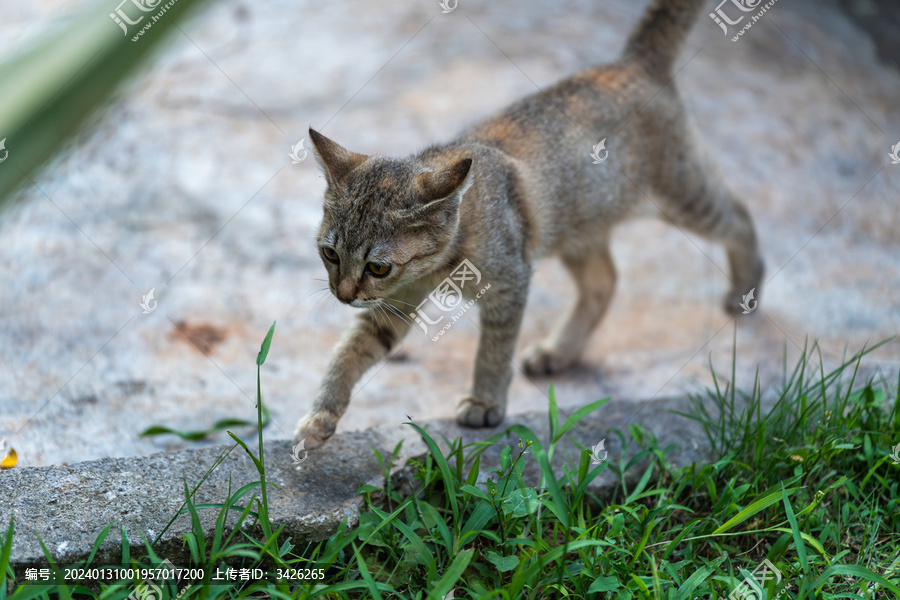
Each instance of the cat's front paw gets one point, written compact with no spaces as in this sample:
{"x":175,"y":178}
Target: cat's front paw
{"x":475,"y":412}
{"x":540,"y":361}
{"x":315,"y":429}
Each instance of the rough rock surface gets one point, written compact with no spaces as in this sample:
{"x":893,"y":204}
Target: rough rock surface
{"x":185,"y":186}
{"x":68,"y":506}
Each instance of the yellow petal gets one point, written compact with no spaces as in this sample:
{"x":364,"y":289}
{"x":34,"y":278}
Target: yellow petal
{"x":9,"y":460}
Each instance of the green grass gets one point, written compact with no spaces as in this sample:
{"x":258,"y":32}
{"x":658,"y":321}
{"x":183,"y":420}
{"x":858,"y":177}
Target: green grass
{"x":804,"y":481}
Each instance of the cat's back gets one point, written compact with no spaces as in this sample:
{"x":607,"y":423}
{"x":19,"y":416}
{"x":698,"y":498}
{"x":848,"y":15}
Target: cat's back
{"x":576,"y":109}
{"x":546,"y":141}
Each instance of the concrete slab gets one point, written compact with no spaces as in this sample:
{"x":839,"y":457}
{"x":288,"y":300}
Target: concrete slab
{"x":68,"y":506}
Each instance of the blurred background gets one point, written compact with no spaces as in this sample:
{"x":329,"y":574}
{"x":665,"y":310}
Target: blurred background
{"x":163,"y":164}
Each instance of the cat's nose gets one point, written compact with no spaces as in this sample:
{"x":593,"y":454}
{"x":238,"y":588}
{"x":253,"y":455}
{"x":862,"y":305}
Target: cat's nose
{"x":346,"y":291}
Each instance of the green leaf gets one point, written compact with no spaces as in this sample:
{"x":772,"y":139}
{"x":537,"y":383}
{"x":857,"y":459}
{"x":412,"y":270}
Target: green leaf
{"x":64,"y":591}
{"x":97,"y":543}
{"x":5,"y":554}
{"x":558,"y":504}
{"x":520,"y":502}
{"x":451,"y":575}
{"x":449,"y":480}
{"x":255,"y":460}
{"x":618,"y":524}
{"x":422,"y":554}
{"x":760,"y":504}
{"x":471,"y":489}
{"x":191,"y":436}
{"x":264,"y":349}
{"x":367,"y":577}
{"x":480,"y":517}
{"x":604,"y":584}
{"x":554,"y":412}
{"x":645,"y":479}
{"x":540,"y":563}
{"x":503,"y":563}
{"x":798,"y":539}
{"x":202,"y":434}
{"x":692,"y":582}
{"x":808,"y":538}
{"x":855,"y":571}
{"x":126,"y":547}
{"x":504,"y":457}
{"x":580,"y":414}
{"x":431,"y":512}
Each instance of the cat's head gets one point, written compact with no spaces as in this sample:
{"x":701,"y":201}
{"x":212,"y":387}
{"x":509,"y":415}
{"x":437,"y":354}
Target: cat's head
{"x":387,"y":221}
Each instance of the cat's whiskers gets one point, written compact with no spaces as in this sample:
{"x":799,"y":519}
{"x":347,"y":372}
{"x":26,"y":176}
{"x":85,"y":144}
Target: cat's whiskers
{"x":397,"y":300}
{"x":378,"y":308}
{"x":398,"y":313}
{"x":320,"y":290}
{"x":389,"y":319}
{"x":321,"y":303}
{"x":375,"y":313}
{"x":380,"y":305}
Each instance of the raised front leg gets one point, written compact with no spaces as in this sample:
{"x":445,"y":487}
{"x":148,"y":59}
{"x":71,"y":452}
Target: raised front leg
{"x":370,"y":338}
{"x":501,"y":310}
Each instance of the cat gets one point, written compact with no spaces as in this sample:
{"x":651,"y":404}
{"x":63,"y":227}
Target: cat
{"x":519,"y":186}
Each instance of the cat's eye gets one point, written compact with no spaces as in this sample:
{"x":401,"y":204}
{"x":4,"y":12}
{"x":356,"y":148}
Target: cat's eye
{"x":378,"y":269}
{"x":330,"y":254}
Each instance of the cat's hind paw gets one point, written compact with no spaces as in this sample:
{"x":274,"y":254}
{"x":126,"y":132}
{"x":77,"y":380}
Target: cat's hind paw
{"x":540,"y":361}
{"x":475,"y":412}
{"x":315,"y":429}
{"x":744,"y":299}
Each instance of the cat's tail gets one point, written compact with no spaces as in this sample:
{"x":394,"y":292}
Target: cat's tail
{"x":659,"y":36}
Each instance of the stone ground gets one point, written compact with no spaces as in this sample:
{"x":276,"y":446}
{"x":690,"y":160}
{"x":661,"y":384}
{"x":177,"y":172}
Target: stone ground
{"x":185,"y":186}
{"x":66,"y":507}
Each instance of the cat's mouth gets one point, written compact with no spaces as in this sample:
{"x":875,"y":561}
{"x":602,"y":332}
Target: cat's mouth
{"x":365,"y":303}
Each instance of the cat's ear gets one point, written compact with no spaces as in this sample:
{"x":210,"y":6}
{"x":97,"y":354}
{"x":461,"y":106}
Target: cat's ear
{"x":335,"y":160}
{"x":443,"y":183}
{"x":439,"y":193}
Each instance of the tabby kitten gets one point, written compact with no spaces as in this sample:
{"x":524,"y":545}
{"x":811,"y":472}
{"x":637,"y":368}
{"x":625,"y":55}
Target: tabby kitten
{"x":519,"y":186}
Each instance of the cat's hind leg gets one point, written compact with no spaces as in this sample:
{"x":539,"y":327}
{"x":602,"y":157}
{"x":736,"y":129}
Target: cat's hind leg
{"x":595,"y":276}
{"x":695,"y":198}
